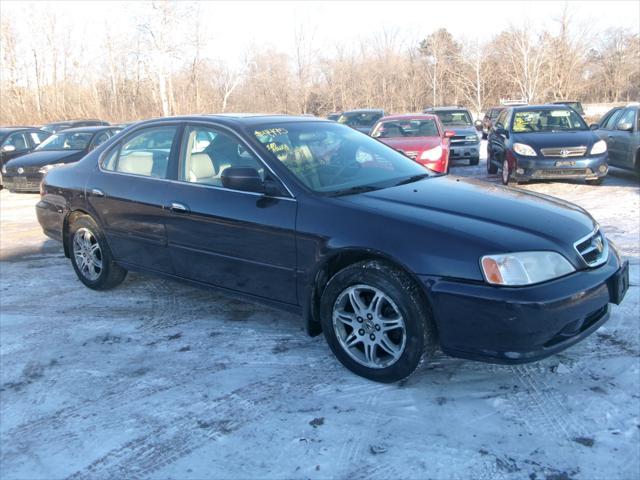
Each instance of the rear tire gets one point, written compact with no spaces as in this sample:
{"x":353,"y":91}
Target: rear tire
{"x":91,"y":257}
{"x":376,"y":321}
{"x":491,"y":168}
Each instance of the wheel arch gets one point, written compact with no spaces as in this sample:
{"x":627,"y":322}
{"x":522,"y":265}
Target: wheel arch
{"x":68,"y":220}
{"x":332,"y":265}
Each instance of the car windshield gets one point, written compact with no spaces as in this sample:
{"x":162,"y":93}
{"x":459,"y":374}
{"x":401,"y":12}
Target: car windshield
{"x":359,"y":119}
{"x":333,"y":159}
{"x":547,"y":120}
{"x":66,"y":141}
{"x":454,"y":117}
{"x":406,"y":128}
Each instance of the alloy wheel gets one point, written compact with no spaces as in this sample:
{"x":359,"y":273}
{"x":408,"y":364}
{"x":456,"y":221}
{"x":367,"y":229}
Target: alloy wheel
{"x":369,"y":326}
{"x":505,"y":172}
{"x":87,"y":254}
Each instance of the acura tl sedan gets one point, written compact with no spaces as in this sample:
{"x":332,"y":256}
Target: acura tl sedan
{"x":387,"y":259}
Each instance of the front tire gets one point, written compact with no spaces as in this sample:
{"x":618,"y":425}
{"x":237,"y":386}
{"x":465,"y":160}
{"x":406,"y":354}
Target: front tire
{"x":376,"y":321}
{"x":474,"y":161}
{"x":91,"y":257}
{"x":507,"y":178}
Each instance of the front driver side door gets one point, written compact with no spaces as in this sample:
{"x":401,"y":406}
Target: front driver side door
{"x":242,"y":241}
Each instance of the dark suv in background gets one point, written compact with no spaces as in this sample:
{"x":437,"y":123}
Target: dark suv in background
{"x":465,"y":144}
{"x":362,"y":120}
{"x":620,"y":128}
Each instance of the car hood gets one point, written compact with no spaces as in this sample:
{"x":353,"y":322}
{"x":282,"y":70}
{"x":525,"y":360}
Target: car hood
{"x":413,"y":143}
{"x":575,"y":138}
{"x":462,"y":130}
{"x":40,"y":158}
{"x":480,"y":217}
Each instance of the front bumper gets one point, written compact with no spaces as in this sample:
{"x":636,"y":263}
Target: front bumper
{"x":542,"y":168}
{"x":464,"y":151}
{"x":26,"y":182}
{"x":518,"y":325}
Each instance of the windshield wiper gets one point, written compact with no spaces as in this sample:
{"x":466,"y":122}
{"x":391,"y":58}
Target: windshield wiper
{"x":412,"y":179}
{"x":354,"y":190}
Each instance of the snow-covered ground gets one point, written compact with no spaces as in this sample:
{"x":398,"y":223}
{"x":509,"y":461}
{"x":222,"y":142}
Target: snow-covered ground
{"x":156,"y":379}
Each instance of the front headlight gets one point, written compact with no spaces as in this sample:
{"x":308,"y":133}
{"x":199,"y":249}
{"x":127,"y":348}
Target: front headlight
{"x":46,"y":168}
{"x":433,"y":154}
{"x":524,"y":268}
{"x":599,"y":147}
{"x":471,"y":138}
{"x":525,"y":150}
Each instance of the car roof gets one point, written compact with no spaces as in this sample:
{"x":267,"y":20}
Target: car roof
{"x":452,"y":107}
{"x":364,"y":110}
{"x":64,"y":122}
{"x":4,"y":130}
{"x":89,"y":129}
{"x":409,"y":116}
{"x":235,"y":119}
{"x":553,"y":106}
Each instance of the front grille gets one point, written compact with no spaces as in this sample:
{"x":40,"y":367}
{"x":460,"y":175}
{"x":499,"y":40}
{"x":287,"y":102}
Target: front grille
{"x":460,"y":140}
{"x":24,"y":169}
{"x":593,"y":249}
{"x":564,"y":152}
{"x":561,"y":172}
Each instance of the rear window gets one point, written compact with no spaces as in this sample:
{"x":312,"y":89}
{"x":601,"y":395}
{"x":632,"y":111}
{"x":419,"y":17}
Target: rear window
{"x":406,"y":128}
{"x":454,"y":117}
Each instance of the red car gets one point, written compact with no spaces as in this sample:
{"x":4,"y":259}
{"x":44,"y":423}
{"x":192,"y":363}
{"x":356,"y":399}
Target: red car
{"x":420,"y":137}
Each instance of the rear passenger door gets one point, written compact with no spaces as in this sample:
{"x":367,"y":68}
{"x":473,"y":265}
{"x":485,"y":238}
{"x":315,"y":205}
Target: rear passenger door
{"x":128,"y":194}
{"x":239,"y":240}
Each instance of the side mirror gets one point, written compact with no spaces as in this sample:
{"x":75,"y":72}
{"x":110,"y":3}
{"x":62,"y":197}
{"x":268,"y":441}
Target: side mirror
{"x":594,"y":126}
{"x":246,"y":179}
{"x":449,"y":133}
{"x":501,"y":131}
{"x":8,"y":148}
{"x":478,"y":124}
{"x":625,"y":127}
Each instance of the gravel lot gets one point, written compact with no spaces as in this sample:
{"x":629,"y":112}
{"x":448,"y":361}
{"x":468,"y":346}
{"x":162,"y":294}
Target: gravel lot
{"x":157,"y":379}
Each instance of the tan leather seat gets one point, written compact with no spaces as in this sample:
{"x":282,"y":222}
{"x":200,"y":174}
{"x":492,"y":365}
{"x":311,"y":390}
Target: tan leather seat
{"x":137,"y":163}
{"x":201,"y":169}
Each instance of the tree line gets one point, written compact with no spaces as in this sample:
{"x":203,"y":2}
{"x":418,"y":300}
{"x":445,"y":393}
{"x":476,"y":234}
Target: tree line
{"x":162,"y":68}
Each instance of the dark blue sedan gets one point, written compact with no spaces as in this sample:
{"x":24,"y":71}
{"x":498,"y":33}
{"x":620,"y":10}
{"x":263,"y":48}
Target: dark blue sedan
{"x":387,"y":259}
{"x":545,"y":142}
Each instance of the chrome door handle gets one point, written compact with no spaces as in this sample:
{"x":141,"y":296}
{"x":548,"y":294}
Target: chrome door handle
{"x":178,"y":207}
{"x":96,"y":192}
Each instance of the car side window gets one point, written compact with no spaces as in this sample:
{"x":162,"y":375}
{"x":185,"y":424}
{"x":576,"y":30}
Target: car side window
{"x":500,"y":121}
{"x":38,"y":137}
{"x":628,"y":116}
{"x":146,"y":153}
{"x":100,"y":138}
{"x":612,"y":121}
{"x":18,"y":140}
{"x":208,"y":152}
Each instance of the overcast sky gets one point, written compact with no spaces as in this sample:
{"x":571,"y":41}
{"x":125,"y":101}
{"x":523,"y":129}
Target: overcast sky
{"x":233,"y":26}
